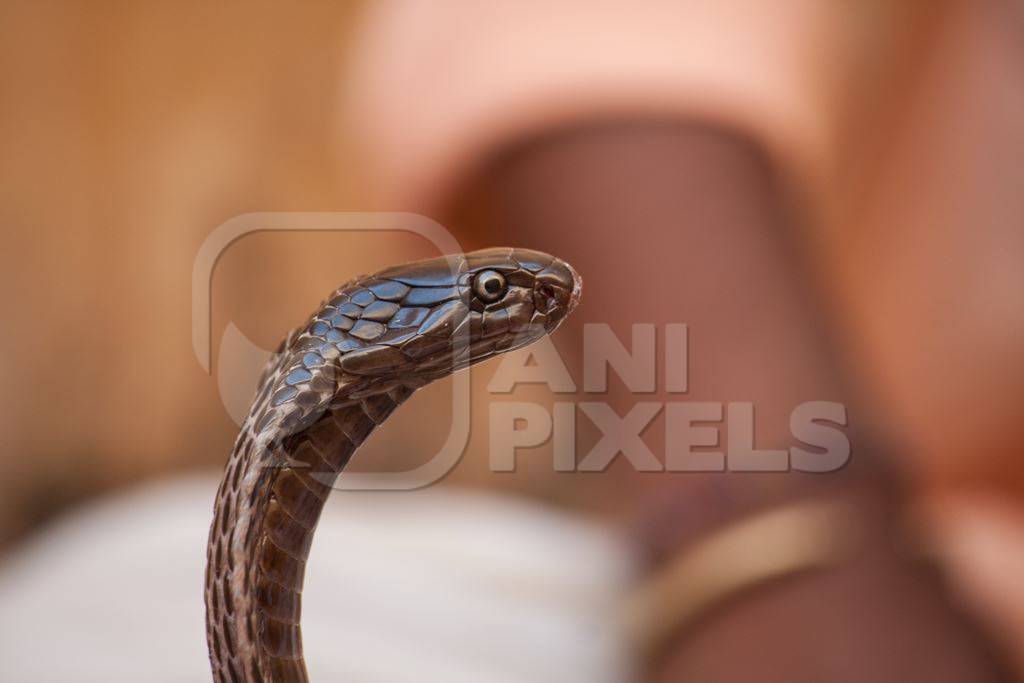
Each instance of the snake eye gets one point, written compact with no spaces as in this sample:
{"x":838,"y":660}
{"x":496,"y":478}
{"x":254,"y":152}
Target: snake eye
{"x":489,"y":286}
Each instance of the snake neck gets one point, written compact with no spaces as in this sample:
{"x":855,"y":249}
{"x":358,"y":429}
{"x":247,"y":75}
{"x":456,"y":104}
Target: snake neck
{"x":332,"y":381}
{"x":266,"y":511}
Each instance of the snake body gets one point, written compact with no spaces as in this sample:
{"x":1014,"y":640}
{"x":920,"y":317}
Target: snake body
{"x":334,"y":379}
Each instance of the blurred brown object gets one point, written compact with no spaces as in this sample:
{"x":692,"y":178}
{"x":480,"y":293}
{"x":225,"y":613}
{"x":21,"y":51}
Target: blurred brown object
{"x":927,"y":248}
{"x":129,"y":131}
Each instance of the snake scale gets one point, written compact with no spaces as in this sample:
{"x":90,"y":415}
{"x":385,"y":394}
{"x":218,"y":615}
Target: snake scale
{"x":333,"y":380}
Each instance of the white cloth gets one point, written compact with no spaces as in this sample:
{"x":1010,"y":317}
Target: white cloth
{"x":435,"y":585}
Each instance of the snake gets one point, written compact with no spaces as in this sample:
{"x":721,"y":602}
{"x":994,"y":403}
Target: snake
{"x":331,"y":382}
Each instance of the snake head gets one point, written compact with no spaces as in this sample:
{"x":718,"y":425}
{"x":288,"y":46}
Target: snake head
{"x":411,"y":324}
{"x":429,"y":318}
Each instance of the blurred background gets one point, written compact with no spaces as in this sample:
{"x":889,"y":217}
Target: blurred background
{"x":130,"y":130}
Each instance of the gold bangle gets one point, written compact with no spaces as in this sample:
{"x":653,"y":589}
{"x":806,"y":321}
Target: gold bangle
{"x":745,"y":554}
